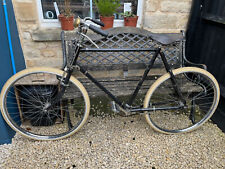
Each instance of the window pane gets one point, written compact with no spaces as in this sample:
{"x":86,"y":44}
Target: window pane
{"x":120,"y":10}
{"x":48,"y":9}
{"x":81,"y":8}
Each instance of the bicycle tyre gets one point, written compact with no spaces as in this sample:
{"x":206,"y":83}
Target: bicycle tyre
{"x":201,"y":92}
{"x":24,"y":112}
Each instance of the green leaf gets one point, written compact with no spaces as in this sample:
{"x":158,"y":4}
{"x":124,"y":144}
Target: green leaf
{"x":107,"y":7}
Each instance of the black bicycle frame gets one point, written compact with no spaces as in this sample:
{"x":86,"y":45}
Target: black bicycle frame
{"x":133,"y":96}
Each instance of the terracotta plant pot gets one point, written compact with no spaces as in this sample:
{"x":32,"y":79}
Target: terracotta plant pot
{"x":130,"y":21}
{"x":66,"y":22}
{"x":108,"y":21}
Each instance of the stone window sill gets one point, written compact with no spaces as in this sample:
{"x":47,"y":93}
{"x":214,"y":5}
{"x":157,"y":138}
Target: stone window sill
{"x":46,"y":35}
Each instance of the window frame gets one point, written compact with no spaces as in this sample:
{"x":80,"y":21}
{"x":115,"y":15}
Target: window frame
{"x":54,"y":23}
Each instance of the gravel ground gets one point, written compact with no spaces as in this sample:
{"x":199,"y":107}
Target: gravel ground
{"x":119,"y":142}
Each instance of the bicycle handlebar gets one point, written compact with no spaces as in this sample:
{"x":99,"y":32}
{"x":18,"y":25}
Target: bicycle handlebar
{"x":98,"y":30}
{"x":95,"y":21}
{"x":98,"y":22}
{"x":82,"y":22}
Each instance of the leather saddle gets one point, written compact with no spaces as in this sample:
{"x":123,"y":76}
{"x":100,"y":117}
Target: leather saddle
{"x":166,"y":38}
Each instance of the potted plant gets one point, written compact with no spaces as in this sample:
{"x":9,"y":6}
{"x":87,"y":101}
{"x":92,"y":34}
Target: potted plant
{"x":130,"y":19}
{"x":106,"y":9}
{"x":66,"y":17}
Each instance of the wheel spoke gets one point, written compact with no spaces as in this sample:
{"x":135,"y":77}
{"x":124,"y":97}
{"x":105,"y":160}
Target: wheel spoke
{"x":198,"y":90}
{"x":27,"y":105}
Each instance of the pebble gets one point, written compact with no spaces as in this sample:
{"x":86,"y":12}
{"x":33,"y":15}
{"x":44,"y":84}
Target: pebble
{"x":108,"y":143}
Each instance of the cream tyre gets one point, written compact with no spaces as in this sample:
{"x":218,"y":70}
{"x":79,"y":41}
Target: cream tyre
{"x":213,"y":100}
{"x":46,"y":71}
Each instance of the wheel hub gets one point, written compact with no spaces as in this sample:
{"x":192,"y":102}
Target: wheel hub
{"x":46,"y":106}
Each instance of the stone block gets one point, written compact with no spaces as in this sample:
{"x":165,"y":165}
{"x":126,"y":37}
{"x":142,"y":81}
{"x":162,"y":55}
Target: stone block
{"x":40,"y":45}
{"x":152,"y":5}
{"x":46,"y":35}
{"x":48,"y":53}
{"x":160,"y":20}
{"x":56,"y":45}
{"x":182,"y":21}
{"x":29,"y":26}
{"x":59,"y":53}
{"x":175,"y":6}
{"x":44,"y":62}
{"x":26,"y":11}
{"x":30,"y":45}
{"x":165,"y":30}
{"x":31,"y":52}
{"x":26,"y":35}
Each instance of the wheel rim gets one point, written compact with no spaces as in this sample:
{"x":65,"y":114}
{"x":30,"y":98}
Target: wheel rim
{"x":176,"y":121}
{"x":31,"y":118}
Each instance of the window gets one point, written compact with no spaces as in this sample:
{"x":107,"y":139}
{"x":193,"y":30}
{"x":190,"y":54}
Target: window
{"x":82,"y":8}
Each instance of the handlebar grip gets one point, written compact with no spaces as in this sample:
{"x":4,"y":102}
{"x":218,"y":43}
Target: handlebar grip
{"x":98,"y":30}
{"x":98,"y":22}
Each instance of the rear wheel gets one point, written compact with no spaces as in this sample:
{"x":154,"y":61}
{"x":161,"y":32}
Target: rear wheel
{"x":200,"y":91}
{"x":26,"y":104}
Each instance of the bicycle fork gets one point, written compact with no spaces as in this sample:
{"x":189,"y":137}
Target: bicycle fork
{"x":64,"y":80}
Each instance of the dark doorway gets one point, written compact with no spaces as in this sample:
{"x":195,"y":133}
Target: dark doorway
{"x":206,"y":44}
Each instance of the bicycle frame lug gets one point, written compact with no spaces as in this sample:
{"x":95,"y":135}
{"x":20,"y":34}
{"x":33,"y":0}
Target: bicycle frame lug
{"x":77,"y":67}
{"x":79,"y":45}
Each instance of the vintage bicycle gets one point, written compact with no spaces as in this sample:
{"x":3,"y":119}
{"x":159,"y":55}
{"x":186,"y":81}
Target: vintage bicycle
{"x":47,"y":104}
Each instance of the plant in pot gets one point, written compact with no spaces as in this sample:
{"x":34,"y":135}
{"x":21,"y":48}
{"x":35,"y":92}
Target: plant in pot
{"x":106,"y":9}
{"x":66,"y":17}
{"x":130,"y":19}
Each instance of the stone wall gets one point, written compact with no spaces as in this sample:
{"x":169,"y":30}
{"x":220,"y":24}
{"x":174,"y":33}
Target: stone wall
{"x":166,"y":15}
{"x":36,"y":53}
{"x":158,"y":16}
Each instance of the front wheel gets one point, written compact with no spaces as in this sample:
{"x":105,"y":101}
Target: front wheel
{"x":200,"y":91}
{"x":27,"y":104}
